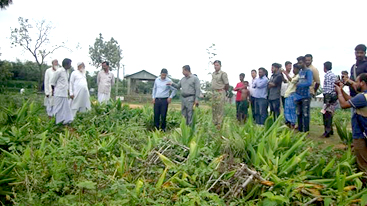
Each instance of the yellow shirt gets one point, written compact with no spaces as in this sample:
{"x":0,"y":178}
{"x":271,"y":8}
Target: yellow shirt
{"x":292,"y":86}
{"x":219,"y":80}
{"x":316,"y":78}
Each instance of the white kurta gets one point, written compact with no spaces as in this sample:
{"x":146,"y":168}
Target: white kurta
{"x":61,"y":108}
{"x":79,"y":88}
{"x":105,"y":82}
{"x":49,"y":101}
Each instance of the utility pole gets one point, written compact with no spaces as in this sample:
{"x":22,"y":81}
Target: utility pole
{"x":117,"y":80}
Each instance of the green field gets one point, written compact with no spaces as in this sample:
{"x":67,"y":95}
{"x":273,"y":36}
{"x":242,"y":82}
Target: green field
{"x":113,"y":156}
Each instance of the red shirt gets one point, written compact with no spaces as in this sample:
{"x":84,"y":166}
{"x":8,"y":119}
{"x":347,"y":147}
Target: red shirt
{"x":238,"y":96}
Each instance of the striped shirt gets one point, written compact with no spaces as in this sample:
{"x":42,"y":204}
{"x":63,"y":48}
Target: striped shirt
{"x":329,"y":82}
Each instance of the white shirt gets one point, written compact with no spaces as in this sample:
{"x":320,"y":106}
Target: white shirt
{"x":50,"y":72}
{"x":285,"y":85}
{"x":78,"y":81}
{"x":105,"y":81}
{"x":252,"y":90}
{"x":61,"y":83}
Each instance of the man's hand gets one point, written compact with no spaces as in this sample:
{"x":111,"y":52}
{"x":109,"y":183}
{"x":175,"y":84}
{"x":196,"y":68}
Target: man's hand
{"x":169,"y":100}
{"x":72,"y":96}
{"x":338,"y":89}
{"x":196,"y":103}
{"x":345,"y":78}
{"x":153,"y":101}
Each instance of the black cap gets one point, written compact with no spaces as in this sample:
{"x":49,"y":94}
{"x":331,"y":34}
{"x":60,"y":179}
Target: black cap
{"x":164,"y":71}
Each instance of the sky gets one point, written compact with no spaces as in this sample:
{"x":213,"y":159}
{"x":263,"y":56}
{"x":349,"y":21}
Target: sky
{"x":170,"y":34}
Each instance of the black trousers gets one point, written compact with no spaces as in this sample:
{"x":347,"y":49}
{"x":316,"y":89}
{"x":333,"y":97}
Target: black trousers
{"x":328,"y":116}
{"x":283,"y":102}
{"x":160,"y":113}
{"x":252,"y":102}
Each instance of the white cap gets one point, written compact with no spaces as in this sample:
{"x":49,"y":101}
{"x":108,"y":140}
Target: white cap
{"x":79,"y":63}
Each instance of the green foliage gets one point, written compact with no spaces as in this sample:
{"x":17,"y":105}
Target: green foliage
{"x":113,"y":156}
{"x":105,"y":51}
{"x":5,"y":71}
{"x":34,"y":38}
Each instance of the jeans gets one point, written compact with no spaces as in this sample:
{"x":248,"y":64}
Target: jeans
{"x":261,"y":110}
{"x":303,"y":114}
{"x":160,"y":112}
{"x":252,"y":101}
{"x":275,"y":107}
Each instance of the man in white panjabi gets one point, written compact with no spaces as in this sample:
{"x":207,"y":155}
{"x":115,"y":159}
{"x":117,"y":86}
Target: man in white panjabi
{"x":105,"y":81}
{"x":60,"y":86}
{"x":49,"y":100}
{"x":79,"y":90}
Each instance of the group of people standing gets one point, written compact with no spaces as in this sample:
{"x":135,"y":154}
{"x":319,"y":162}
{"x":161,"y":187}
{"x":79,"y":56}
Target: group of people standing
{"x":65,"y":94}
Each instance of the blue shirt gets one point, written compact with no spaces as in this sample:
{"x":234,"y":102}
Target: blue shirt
{"x":359,"y":121}
{"x":162,"y":90}
{"x":304,"y":83}
{"x":260,"y":86}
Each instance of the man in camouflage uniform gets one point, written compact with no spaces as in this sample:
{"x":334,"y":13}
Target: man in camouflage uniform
{"x":220,"y":85}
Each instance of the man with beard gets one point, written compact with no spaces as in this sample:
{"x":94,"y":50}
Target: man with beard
{"x":49,"y":100}
{"x":303,"y":97}
{"x":359,"y":119}
{"x":79,"y":90}
{"x":315,"y":75}
{"x":358,"y":68}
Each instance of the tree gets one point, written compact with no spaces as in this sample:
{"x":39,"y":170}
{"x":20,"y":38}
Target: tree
{"x":106,"y":51}
{"x":5,"y":3}
{"x":5,"y":70}
{"x":38,"y":46}
{"x":211,"y":51}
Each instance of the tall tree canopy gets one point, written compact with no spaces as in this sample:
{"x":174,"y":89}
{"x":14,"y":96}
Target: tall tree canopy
{"x":5,"y":3}
{"x":35,"y":40}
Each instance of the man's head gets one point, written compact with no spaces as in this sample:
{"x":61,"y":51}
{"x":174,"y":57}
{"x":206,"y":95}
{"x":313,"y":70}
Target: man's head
{"x":105,"y":66}
{"x":217,"y":65}
{"x":81,"y":67}
{"x":246,"y":84}
{"x":301,"y":62}
{"x":308,"y":60}
{"x":242,"y":77}
{"x":360,"y":52}
{"x":296,"y":69}
{"x":253,"y":73}
{"x":327,"y":66}
{"x":262,"y":72}
{"x":275,"y":67}
{"x":288,"y":66}
{"x":362,"y":82}
{"x":55,"y":63}
{"x":345,"y":74}
{"x":66,"y":63}
{"x":164,"y":73}
{"x":186,"y":71}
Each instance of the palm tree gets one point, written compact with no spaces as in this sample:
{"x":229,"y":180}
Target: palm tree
{"x":5,"y":3}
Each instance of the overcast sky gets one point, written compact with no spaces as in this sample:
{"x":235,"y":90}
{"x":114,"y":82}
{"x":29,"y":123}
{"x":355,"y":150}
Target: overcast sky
{"x":169,"y":34}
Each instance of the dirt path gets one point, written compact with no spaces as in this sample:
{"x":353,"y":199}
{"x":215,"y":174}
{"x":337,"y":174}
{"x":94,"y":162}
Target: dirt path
{"x":317,"y":130}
